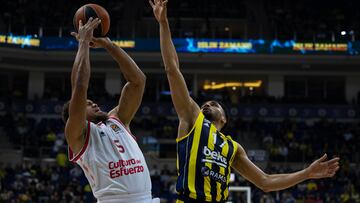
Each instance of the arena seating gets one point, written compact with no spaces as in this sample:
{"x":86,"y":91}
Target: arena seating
{"x":275,"y":19}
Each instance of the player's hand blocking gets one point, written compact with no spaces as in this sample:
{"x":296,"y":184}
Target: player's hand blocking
{"x":85,"y":33}
{"x":159,"y":9}
{"x":322,"y":168}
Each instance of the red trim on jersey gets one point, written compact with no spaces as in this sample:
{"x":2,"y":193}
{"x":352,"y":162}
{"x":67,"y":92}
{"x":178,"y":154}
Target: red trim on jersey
{"x":118,"y":120}
{"x":71,"y":154}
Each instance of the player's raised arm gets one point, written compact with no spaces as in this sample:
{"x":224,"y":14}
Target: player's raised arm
{"x":80,"y":76}
{"x":185,"y":106}
{"x":133,"y":90}
{"x":320,"y":168}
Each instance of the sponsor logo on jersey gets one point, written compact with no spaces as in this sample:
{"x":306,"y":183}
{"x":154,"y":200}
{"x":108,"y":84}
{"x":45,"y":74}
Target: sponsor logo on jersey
{"x":124,"y":168}
{"x":115,"y":128}
{"x":207,"y":122}
{"x":102,"y":134}
{"x":214,"y":157}
{"x":206,"y":171}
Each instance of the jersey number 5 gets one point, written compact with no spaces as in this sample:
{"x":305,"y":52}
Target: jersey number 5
{"x":119,"y":146}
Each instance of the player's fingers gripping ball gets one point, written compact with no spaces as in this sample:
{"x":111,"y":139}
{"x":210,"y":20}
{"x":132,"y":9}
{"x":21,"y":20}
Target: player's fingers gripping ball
{"x":94,"y":11}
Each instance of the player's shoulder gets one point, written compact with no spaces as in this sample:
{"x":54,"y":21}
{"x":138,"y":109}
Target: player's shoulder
{"x":228,"y":137}
{"x":96,"y":126}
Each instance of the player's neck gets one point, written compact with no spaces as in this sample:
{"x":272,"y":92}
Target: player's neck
{"x":99,"y":119}
{"x":218,"y":125}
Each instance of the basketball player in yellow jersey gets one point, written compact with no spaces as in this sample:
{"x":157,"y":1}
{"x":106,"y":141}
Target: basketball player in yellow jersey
{"x":205,"y":155}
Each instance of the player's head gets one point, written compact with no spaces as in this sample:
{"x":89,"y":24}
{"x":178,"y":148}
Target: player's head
{"x":93,"y":112}
{"x":215,"y":111}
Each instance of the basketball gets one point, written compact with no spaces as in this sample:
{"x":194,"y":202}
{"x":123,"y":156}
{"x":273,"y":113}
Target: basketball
{"x":95,"y":11}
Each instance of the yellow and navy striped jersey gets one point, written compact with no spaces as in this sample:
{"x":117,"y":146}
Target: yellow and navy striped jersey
{"x":204,"y":158}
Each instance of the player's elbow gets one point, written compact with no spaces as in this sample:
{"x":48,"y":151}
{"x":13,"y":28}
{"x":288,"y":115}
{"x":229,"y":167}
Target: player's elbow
{"x":264,"y":184}
{"x":265,"y":189}
{"x":140,"y":80}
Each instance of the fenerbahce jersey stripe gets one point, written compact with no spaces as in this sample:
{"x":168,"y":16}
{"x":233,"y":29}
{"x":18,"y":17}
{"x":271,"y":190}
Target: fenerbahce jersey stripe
{"x":204,"y":158}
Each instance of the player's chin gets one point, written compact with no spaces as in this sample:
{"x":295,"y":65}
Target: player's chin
{"x":100,"y":116}
{"x":208,"y":115}
{"x":101,"y":113}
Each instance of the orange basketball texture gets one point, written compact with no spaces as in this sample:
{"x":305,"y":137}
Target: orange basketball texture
{"x":95,"y":11}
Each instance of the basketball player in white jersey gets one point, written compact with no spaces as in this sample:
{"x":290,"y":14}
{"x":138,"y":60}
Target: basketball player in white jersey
{"x":101,"y":143}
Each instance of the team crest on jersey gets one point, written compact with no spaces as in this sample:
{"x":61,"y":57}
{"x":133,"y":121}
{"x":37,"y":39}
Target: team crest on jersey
{"x":115,"y":128}
{"x":207,"y":122}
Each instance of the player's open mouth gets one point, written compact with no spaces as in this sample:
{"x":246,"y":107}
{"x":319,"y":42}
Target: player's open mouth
{"x":206,"y":109}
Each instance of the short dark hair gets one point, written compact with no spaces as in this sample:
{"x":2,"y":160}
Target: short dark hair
{"x":65,"y":111}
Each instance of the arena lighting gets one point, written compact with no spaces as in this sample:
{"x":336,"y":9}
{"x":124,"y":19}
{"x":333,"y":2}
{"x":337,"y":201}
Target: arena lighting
{"x":214,"y":86}
{"x":125,"y":43}
{"x":343,"y":33}
{"x":23,"y":41}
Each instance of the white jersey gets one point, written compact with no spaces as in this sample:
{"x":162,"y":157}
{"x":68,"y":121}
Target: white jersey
{"x":113,"y":163}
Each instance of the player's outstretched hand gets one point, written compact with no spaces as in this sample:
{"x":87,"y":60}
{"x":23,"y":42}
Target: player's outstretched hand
{"x":322,"y":168}
{"x":159,"y":9}
{"x":85,"y":33}
{"x":100,"y":42}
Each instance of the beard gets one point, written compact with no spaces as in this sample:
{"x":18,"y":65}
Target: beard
{"x":209,"y":116}
{"x":100,"y":117}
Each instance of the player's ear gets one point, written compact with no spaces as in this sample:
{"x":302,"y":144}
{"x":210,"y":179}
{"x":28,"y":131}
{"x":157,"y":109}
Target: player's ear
{"x":223,"y":119}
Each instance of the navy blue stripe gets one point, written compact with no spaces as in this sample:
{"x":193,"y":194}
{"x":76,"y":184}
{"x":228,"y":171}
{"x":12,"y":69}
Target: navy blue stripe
{"x":199,"y":180}
{"x":184,"y":149}
{"x":181,"y":150}
{"x":216,"y":168}
{"x":228,"y":157}
{"x":213,"y":189}
{"x":186,"y":171}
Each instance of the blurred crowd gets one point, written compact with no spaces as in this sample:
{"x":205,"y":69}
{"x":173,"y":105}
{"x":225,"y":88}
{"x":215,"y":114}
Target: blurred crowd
{"x":285,"y":140}
{"x":290,"y":141}
{"x":313,"y":20}
{"x":32,"y":183}
{"x":304,"y":20}
{"x":31,"y":135}
{"x":344,"y":187}
{"x":25,"y":16}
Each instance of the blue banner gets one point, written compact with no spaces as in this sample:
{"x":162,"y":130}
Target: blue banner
{"x":218,"y":46}
{"x":191,"y":45}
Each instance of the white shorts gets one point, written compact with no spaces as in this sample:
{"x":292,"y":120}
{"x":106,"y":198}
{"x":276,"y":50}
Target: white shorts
{"x":136,"y":198}
{"x":155,"y":200}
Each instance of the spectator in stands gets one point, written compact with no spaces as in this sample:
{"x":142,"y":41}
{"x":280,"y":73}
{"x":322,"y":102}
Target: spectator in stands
{"x":266,"y":198}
